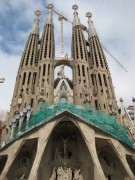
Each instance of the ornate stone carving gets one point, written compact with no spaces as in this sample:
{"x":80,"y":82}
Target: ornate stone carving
{"x":85,"y":94}
{"x":41,"y":94}
{"x":53,"y":177}
{"x":65,"y":174}
{"x":77,"y":175}
{"x":61,"y":72}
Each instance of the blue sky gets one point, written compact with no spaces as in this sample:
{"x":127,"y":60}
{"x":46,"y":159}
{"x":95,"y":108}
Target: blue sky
{"x":113,"y":20}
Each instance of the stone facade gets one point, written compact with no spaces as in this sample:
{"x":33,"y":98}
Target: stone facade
{"x":68,"y":143}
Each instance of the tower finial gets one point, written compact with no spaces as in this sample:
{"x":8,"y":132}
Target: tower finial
{"x":35,"y":27}
{"x":50,"y":6}
{"x":89,"y":15}
{"x":37,"y":14}
{"x":76,"y":20}
{"x":75,"y":7}
{"x":49,"y":18}
{"x":91,"y":29}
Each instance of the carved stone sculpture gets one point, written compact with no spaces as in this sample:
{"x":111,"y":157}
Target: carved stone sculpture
{"x":53,"y":177}
{"x":60,"y":173}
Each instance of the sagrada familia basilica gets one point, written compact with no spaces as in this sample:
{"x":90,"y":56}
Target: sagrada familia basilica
{"x":62,"y":129}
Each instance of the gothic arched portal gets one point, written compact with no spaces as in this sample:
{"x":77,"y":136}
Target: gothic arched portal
{"x":109,"y":160}
{"x":66,"y":148}
{"x":23,"y":162}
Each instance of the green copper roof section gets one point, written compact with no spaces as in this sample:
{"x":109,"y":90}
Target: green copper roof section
{"x":91,"y":116}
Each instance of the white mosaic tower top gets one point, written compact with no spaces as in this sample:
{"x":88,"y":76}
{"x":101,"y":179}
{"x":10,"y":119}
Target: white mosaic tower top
{"x":35,"y":27}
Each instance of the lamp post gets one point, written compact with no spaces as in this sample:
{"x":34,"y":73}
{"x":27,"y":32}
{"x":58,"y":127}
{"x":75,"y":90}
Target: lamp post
{"x":133,"y":100}
{"x":122,"y":109}
{"x":2,"y":80}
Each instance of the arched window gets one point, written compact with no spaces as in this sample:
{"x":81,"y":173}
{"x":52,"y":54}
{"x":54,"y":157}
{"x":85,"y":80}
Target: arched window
{"x":63,"y":100}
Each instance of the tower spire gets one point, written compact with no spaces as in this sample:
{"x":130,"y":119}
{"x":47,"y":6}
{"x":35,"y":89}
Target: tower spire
{"x":102,"y":87}
{"x":76,"y":20}
{"x":46,"y":57}
{"x":24,"y":92}
{"x":80,"y":62}
{"x":35,"y":27}
{"x":49,"y":18}
{"x":91,"y":30}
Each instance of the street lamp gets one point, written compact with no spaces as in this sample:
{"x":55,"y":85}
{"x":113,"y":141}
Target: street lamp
{"x":122,"y":109}
{"x":133,"y":100}
{"x":2,"y":80}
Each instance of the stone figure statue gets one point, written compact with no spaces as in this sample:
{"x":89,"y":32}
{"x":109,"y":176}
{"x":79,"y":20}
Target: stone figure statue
{"x":60,"y":173}
{"x":23,"y":177}
{"x":65,"y":174}
{"x":20,"y":99}
{"x":61,"y":72}
{"x":69,"y":173}
{"x":77,"y":175}
{"x":66,"y":56}
{"x":53,"y":176}
{"x":65,"y":146}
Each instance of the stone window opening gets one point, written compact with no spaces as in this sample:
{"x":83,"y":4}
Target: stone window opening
{"x":105,"y":80}
{"x":78,"y":70}
{"x":44,"y":69}
{"x":63,"y":100}
{"x":24,"y":78}
{"x":32,"y":102}
{"x":83,"y":70}
{"x":29,"y":78}
{"x":100,"y":82}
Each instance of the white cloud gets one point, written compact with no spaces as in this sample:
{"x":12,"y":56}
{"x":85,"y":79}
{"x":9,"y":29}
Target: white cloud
{"x":9,"y":66}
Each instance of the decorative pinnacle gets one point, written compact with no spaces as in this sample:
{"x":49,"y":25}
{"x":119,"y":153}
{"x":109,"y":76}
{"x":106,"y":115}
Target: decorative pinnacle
{"x":37,"y":14}
{"x":35,"y":28}
{"x":50,"y":6}
{"x":121,"y":100}
{"x":91,"y":29}
{"x":75,"y":7}
{"x":49,"y":18}
{"x":89,"y":15}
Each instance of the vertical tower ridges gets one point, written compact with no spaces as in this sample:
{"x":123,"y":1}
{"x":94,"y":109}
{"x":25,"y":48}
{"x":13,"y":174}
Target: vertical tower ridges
{"x":80,"y":62}
{"x":46,"y":57}
{"x":97,"y":56}
{"x":26,"y":78}
{"x":30,"y":55}
{"x":47,"y":50}
{"x":102,"y":88}
{"x":79,"y":49}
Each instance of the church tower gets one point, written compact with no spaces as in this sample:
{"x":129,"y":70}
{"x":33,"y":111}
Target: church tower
{"x":102,"y":87}
{"x":81,"y":82}
{"x":65,"y":129}
{"x":25,"y":87}
{"x":46,"y":57}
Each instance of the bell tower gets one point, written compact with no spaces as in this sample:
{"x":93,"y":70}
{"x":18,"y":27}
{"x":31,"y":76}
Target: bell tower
{"x":102,"y":87}
{"x":46,"y":57}
{"x":25,"y":88}
{"x":81,"y":82}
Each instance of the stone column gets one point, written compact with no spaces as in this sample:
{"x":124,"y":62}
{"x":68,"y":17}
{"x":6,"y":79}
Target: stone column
{"x":28,"y":117}
{"x":89,"y":137}
{"x":20,"y":122}
{"x":12,"y":130}
{"x":43,"y":139}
